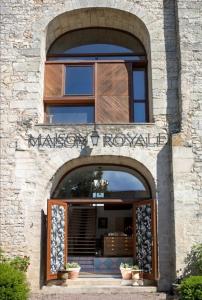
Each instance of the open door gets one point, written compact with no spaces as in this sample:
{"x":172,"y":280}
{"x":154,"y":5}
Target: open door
{"x":56,"y":237}
{"x":145,"y":250}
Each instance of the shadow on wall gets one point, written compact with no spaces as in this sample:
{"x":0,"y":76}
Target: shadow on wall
{"x":165,"y":223}
{"x":172,"y":67}
{"x":43,"y":249}
{"x":173,"y":116}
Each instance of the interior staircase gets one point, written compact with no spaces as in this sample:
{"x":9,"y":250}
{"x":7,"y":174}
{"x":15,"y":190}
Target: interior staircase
{"x":82,"y":232}
{"x":86,"y":263}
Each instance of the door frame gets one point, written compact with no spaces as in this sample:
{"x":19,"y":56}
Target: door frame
{"x":66,"y":202}
{"x":50,"y":203}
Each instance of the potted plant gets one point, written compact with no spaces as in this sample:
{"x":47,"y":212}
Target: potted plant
{"x":63,"y":274}
{"x":73,"y":269}
{"x":136,"y":275}
{"x":126,"y":271}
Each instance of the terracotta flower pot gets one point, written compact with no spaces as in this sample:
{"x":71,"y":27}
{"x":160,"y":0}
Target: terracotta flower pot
{"x":126,"y":273}
{"x":137,"y":277}
{"x":63,"y":275}
{"x":136,"y":274}
{"x":73,"y":273}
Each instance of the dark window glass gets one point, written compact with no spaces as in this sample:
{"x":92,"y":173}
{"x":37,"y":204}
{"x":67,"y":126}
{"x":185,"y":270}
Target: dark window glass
{"x":139,"y":96}
{"x":103,"y":182}
{"x":139,"y":84}
{"x":79,"y":80}
{"x":139,"y":112}
{"x":70,"y":114}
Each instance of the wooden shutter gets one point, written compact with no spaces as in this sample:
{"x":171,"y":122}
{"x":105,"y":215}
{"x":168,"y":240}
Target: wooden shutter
{"x":53,"y":80}
{"x":145,"y":250}
{"x":56,"y":237}
{"x":112,"y":101}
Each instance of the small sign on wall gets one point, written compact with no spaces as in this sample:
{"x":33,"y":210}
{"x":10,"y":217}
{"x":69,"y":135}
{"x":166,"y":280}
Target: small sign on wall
{"x":98,"y":195}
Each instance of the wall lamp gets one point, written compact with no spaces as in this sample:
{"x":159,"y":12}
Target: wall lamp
{"x":94,"y":137}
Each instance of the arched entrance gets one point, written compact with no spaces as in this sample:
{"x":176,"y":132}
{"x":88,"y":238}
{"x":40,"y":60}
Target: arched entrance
{"x":101,"y":215}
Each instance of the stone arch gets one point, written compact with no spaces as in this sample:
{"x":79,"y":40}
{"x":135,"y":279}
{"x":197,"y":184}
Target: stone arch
{"x":108,"y":159}
{"x":103,"y":17}
{"x":97,"y":17}
{"x":138,"y":210}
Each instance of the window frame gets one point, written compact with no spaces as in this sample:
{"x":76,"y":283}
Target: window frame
{"x":69,"y":100}
{"x":67,"y":105}
{"x":139,"y":66}
{"x":66,"y":78}
{"x":84,"y":100}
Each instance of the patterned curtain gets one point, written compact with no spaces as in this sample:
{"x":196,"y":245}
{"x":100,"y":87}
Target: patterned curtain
{"x":57,"y":259}
{"x":144,"y":237}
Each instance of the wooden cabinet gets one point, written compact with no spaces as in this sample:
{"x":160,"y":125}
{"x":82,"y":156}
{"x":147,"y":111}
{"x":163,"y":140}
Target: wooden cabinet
{"x":118,"y":246}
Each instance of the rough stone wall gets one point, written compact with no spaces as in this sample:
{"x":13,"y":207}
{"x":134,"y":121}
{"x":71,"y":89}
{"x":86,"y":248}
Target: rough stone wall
{"x":26,"y":172}
{"x":187,"y":145}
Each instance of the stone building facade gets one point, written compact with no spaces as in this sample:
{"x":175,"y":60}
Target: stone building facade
{"x":171,"y":34}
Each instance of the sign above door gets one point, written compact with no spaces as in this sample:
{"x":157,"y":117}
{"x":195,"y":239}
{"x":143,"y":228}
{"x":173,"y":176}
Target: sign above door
{"x":94,"y":139}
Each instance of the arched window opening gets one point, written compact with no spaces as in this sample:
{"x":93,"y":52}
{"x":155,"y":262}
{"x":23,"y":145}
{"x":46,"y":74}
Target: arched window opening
{"x":100,"y":68}
{"x":103,"y":181}
{"x":96,"y":44}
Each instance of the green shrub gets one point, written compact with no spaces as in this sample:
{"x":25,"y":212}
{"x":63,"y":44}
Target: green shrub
{"x":13,"y":284}
{"x":20,"y":263}
{"x":191,"y":288}
{"x":194,"y":261}
{"x":3,"y":259}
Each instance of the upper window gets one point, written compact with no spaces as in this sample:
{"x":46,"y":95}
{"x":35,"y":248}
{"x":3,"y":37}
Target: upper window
{"x":101,"y":68}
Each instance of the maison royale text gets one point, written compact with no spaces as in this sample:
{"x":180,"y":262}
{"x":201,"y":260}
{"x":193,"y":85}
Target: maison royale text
{"x":70,"y":140}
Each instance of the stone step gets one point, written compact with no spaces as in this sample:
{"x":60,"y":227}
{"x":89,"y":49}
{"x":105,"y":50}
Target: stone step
{"x":96,"y":293}
{"x":82,"y":282}
{"x":98,"y":275}
{"x":87,"y":296}
{"x":99,"y":285}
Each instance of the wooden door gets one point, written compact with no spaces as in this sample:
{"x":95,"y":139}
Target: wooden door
{"x":56,"y":237}
{"x":145,"y":238}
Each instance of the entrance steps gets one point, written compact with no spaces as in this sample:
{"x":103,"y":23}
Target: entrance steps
{"x":97,"y":289}
{"x":98,"y":293}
